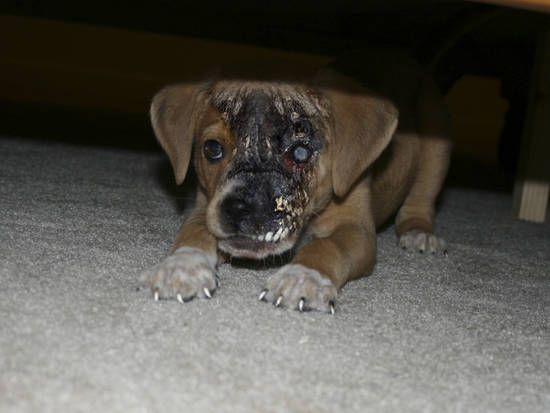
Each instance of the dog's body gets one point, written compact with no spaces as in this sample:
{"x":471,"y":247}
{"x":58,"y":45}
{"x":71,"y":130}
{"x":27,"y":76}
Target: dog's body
{"x":280,"y":157}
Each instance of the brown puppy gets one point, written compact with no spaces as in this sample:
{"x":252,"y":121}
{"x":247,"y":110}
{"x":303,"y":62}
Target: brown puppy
{"x":285,"y":158}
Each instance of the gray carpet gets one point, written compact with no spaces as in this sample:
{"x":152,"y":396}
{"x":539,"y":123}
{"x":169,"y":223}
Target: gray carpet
{"x":464,"y":333}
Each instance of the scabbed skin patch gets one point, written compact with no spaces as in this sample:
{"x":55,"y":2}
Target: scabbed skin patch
{"x":277,"y":148}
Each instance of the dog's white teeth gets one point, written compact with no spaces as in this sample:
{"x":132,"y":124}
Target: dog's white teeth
{"x":277,"y":235}
{"x":271,"y":236}
{"x":285,"y":233}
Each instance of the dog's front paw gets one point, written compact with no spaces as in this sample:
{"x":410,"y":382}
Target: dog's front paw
{"x":298,"y":287}
{"x":422,"y":242}
{"x":185,"y":274}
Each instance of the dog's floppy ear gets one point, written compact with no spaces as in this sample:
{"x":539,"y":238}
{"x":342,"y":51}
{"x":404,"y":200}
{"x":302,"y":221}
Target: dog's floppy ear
{"x":174,"y":113}
{"x":362,"y":125}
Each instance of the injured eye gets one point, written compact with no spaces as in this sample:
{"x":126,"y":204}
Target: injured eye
{"x":213,"y":150}
{"x":300,"y":153}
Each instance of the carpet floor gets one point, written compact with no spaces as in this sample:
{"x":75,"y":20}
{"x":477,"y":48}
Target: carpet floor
{"x":466,"y":332}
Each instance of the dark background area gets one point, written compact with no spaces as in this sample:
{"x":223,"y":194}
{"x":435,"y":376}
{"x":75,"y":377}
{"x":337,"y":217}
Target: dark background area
{"x":457,"y":38}
{"x":325,"y":27}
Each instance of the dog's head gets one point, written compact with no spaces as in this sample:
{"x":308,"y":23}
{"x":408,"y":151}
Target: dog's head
{"x":269,"y":155}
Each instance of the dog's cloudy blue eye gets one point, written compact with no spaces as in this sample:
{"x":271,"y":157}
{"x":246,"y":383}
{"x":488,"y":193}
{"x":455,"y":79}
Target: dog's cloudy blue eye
{"x":213,"y":150}
{"x":301,"y":154}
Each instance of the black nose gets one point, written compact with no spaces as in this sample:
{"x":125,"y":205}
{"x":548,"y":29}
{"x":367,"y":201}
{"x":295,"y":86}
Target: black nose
{"x":235,"y":209}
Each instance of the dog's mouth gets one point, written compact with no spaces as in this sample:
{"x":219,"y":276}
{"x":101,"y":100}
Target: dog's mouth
{"x":258,"y":246}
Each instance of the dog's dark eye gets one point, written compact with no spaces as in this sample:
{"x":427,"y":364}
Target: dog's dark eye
{"x":300,"y":153}
{"x":213,"y":150}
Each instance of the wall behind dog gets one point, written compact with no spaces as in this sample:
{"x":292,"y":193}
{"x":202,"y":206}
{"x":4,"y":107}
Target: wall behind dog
{"x":78,"y":80}
{"x":477,"y":113}
{"x":87,"y":66}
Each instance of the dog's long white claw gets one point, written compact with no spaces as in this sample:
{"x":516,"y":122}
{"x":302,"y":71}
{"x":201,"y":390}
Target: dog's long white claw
{"x":179,"y":298}
{"x":262,"y":295}
{"x":269,"y":236}
{"x":301,"y":304}
{"x":331,"y":307}
{"x":279,"y":301}
{"x":156,"y":295}
{"x":207,"y":292}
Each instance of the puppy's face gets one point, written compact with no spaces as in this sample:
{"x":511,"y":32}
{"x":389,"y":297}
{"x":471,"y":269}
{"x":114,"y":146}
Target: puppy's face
{"x":258,"y":154}
{"x":268,"y":155}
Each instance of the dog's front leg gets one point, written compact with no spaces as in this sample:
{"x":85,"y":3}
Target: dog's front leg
{"x":190,"y":270}
{"x":344,"y":249}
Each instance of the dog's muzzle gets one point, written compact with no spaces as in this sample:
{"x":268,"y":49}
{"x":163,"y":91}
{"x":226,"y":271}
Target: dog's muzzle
{"x":258,"y":220}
